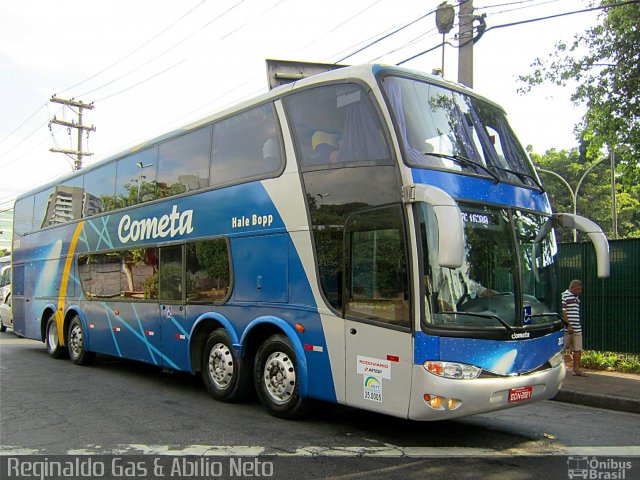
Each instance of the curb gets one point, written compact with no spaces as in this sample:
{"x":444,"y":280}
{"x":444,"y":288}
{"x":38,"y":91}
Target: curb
{"x":610,"y":402}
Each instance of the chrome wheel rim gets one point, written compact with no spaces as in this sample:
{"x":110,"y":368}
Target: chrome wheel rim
{"x":221,"y":365}
{"x":52,"y":337}
{"x":279,"y":377}
{"x":76,"y":340}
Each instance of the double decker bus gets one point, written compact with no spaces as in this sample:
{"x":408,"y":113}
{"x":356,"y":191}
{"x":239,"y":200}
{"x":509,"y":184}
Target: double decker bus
{"x":371,"y":236}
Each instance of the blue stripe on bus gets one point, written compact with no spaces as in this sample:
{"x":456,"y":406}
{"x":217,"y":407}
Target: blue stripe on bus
{"x":481,"y":190}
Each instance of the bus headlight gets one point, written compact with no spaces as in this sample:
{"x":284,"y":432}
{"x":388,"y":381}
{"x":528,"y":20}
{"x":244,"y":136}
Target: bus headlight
{"x":452,"y":370}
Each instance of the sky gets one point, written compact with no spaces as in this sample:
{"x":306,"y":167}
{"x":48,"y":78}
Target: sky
{"x":150,"y":66}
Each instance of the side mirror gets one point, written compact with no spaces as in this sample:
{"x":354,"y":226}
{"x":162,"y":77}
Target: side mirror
{"x":595,"y":234}
{"x":449,"y":218}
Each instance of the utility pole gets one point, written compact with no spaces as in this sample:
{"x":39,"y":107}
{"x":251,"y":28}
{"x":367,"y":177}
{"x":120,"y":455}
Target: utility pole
{"x":465,"y":39}
{"x":79,"y":126}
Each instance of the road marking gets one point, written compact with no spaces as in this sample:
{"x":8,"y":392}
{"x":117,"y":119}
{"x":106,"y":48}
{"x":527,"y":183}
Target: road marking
{"x":386,"y":451}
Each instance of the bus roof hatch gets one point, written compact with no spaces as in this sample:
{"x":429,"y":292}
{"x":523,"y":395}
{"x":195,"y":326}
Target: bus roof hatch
{"x":280,"y":72}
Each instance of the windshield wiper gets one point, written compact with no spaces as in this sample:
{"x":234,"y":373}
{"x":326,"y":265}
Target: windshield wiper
{"x":522,"y":174}
{"x":481,"y":315}
{"x":465,"y":161}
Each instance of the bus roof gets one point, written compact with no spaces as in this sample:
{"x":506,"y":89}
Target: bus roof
{"x":348,"y":72}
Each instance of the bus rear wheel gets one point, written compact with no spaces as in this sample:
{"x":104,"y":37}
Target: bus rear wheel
{"x":276,"y":378}
{"x":225,"y":376}
{"x":76,"y":343}
{"x":52,"y":340}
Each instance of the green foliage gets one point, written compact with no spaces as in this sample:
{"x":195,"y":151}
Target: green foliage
{"x":594,"y":195}
{"x":611,"y":362}
{"x":602,"y":64}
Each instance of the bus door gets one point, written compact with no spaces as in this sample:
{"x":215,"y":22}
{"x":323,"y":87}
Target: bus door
{"x":18,"y":304}
{"x":173,"y":321}
{"x":377,"y":310}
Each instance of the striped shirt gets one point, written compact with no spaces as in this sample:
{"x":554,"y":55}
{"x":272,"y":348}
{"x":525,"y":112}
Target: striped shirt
{"x":571,"y":305}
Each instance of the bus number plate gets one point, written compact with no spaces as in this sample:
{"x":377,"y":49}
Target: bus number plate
{"x":520,"y":394}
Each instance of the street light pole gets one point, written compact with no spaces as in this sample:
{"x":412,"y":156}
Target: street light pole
{"x":574,"y":194}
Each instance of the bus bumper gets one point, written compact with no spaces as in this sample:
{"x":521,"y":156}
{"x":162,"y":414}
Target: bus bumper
{"x":449,"y":398}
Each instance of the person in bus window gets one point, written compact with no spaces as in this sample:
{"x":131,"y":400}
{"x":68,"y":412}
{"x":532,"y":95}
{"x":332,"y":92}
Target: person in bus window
{"x":325,"y":147}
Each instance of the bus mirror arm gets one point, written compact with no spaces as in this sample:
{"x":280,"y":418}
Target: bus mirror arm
{"x":449,"y":218}
{"x":595,"y":234}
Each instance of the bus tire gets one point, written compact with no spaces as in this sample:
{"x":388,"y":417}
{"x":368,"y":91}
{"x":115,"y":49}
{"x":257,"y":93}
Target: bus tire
{"x":277,"y":380}
{"x":225,"y":376}
{"x":76,"y":339}
{"x":52,"y":341}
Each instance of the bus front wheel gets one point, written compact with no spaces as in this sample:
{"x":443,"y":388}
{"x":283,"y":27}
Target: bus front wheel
{"x":52,"y":340}
{"x":224,"y":375}
{"x":76,"y":341}
{"x":277,"y":379}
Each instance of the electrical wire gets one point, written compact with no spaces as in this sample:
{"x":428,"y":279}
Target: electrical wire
{"x":593,"y":9}
{"x":161,"y":54}
{"x":186,"y":59}
{"x":44,"y":105}
{"x":135,"y":50}
{"x":386,"y":36}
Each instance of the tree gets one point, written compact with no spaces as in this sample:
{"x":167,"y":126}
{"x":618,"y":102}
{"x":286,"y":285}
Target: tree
{"x":594,"y":196}
{"x":603,"y":66}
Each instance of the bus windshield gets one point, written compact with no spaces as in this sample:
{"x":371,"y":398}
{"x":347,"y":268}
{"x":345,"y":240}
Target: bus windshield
{"x":507,"y":279}
{"x":441,"y":128}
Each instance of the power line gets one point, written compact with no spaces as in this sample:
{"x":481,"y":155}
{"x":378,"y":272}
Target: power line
{"x":135,"y":50}
{"x":44,"y":105}
{"x":592,"y":9}
{"x":184,"y":60}
{"x":161,"y":54}
{"x":386,"y":36}
{"x":531,"y":20}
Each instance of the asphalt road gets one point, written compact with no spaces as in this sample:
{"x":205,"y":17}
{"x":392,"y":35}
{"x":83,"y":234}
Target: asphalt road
{"x":115,"y":407}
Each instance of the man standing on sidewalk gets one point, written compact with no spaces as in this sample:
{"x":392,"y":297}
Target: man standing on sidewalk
{"x":571,"y":316}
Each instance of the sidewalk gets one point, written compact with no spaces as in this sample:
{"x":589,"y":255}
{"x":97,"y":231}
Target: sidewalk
{"x":611,"y":390}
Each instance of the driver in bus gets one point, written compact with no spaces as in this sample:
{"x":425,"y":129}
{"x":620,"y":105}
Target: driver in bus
{"x":456,"y":286}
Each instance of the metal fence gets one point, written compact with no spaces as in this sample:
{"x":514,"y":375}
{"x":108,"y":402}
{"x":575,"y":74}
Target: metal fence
{"x":610,"y":306}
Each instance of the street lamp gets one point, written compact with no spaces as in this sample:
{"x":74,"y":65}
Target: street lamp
{"x":574,"y":194}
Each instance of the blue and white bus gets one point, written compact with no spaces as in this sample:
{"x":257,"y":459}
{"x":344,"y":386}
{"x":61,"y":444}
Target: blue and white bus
{"x":371,"y":236}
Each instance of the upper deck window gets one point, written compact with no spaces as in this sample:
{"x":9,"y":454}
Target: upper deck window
{"x":183,"y":163}
{"x":444,"y":129}
{"x":337,"y":125}
{"x":245,"y":147}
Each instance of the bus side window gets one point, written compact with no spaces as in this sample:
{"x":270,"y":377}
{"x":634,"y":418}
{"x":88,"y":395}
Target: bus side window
{"x":241,"y":147}
{"x":377,"y":284}
{"x":23,"y":215}
{"x":208,"y":271}
{"x":171,"y":274}
{"x":337,"y":124}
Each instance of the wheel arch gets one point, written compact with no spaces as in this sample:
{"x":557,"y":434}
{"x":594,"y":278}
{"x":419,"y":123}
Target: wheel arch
{"x":47,"y":311}
{"x":264,"y":327}
{"x":202,"y":328}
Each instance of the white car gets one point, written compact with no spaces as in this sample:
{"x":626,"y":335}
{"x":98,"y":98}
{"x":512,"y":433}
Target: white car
{"x":6,"y":315}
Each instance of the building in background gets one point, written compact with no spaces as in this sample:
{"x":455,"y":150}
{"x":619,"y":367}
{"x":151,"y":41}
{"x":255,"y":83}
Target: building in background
{"x":6,"y":229}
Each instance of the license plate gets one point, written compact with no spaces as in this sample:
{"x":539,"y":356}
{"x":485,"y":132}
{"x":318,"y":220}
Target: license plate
{"x":520,"y":394}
